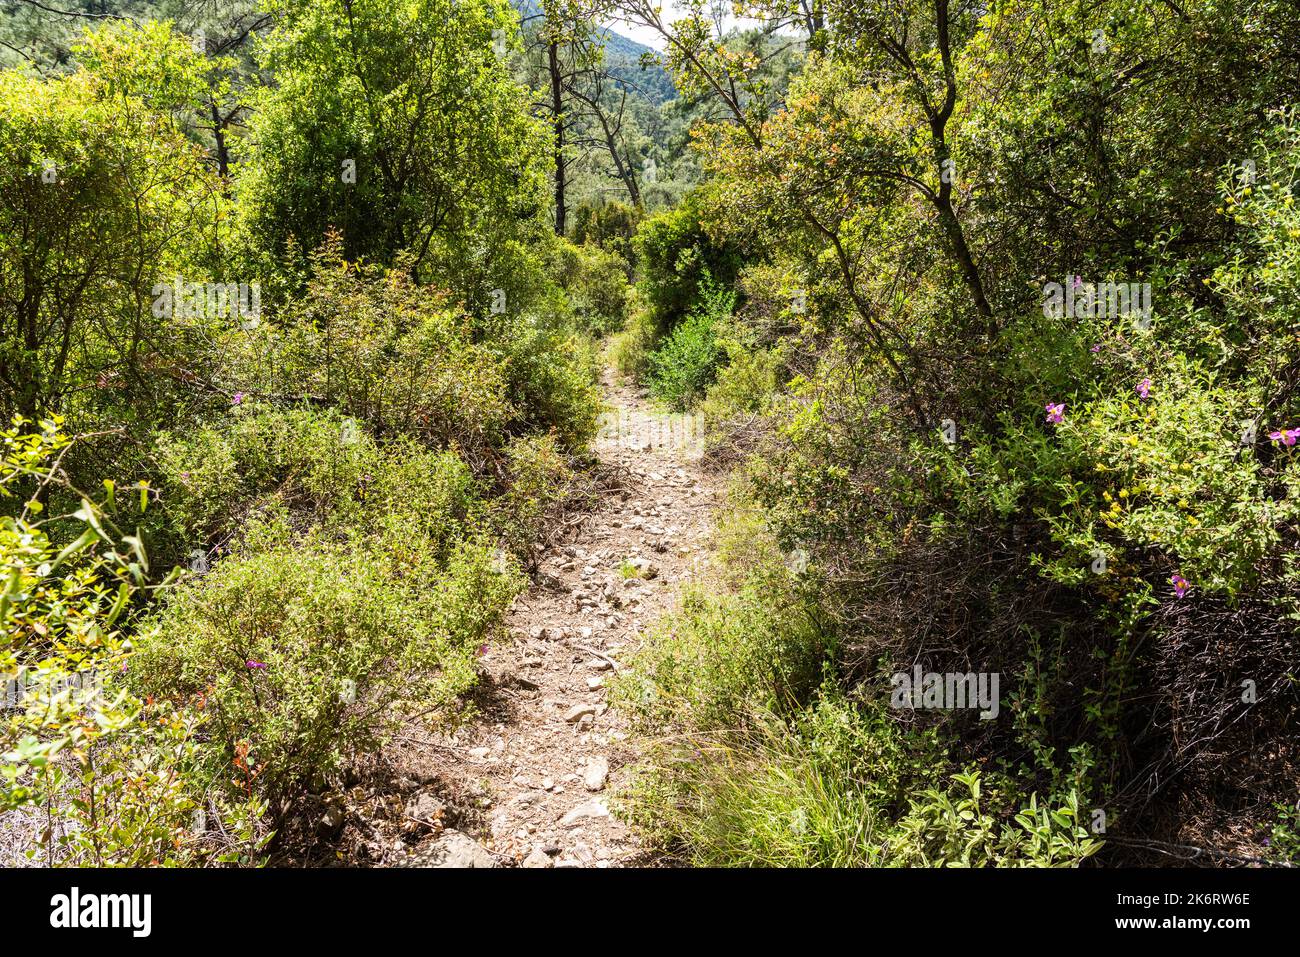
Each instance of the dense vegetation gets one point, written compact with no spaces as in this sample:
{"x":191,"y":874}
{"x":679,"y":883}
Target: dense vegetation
{"x":292,"y":401}
{"x":961,"y":450}
{"x":991,"y":311}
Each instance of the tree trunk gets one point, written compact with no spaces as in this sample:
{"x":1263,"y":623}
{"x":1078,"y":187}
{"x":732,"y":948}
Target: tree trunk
{"x":557,"y":108}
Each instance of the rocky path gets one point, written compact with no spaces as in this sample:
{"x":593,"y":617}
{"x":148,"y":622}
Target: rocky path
{"x":534,"y":773}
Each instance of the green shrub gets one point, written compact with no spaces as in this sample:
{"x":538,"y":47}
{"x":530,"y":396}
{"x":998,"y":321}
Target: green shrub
{"x":552,"y":380}
{"x":405,"y":359}
{"x":320,"y":465}
{"x":113,"y":778}
{"x":629,"y":350}
{"x":597,"y":286}
{"x":540,"y":482}
{"x":742,"y":647}
{"x":746,"y":384}
{"x":1284,"y":841}
{"x":302,"y":656}
{"x":372,"y":343}
{"x":609,"y":225}
{"x":686,"y":361}
{"x":675,"y":255}
{"x":840,"y":784}
{"x":756,"y":756}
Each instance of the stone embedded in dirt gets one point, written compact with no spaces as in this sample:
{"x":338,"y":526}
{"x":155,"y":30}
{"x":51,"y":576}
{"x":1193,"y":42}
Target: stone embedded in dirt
{"x":537,"y":858}
{"x":578,"y":712}
{"x":644,"y":568}
{"x":597,"y":773}
{"x":585,"y":722}
{"x":425,"y":807}
{"x":454,"y":849}
{"x":595,"y":682}
{"x":332,"y":819}
{"x":583,"y":812}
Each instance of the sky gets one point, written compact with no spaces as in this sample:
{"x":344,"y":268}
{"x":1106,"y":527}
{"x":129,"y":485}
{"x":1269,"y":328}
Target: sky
{"x":640,"y":34}
{"x":651,"y":38}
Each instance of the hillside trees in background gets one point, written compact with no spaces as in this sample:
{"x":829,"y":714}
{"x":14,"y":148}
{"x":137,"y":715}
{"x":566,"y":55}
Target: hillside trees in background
{"x":402,"y":129}
{"x":103,"y":197}
{"x":43,"y":38}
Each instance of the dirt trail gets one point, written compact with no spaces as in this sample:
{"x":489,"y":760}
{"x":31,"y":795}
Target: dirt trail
{"x":540,"y":762}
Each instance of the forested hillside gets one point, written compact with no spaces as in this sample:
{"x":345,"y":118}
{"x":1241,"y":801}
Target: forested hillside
{"x":845,"y":434}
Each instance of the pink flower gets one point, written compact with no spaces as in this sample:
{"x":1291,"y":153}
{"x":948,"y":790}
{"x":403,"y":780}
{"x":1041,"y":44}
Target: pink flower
{"x":1096,"y":348}
{"x":1286,"y":436}
{"x":1144,"y":388}
{"x":1055,"y":412}
{"x":237,"y":398}
{"x":1181,"y":585}
{"x":254,"y":664}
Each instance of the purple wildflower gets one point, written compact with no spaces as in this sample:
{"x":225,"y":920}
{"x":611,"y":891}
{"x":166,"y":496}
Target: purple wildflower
{"x":1285,"y":436}
{"x":1055,"y":412}
{"x":1144,"y":388}
{"x":1181,"y":585}
{"x":237,"y":398}
{"x":255,"y":664}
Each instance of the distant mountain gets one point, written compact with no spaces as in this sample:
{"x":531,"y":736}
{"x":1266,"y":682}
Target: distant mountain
{"x":623,"y":57}
{"x":623,"y":60}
